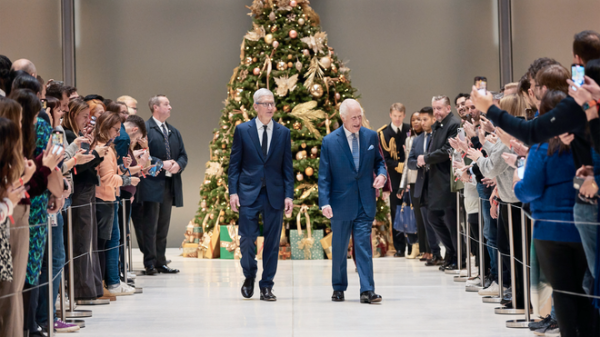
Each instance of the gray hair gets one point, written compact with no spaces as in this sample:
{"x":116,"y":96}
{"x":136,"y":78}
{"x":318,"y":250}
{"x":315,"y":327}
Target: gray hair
{"x":344,"y":106}
{"x":262,"y":92}
{"x":154,"y":100}
{"x":441,"y":98}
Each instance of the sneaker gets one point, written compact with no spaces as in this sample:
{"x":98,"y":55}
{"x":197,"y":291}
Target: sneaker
{"x":549,"y":330}
{"x":493,"y":289}
{"x":57,"y":303}
{"x":121,"y":290}
{"x":60,"y":326}
{"x":131,"y":275}
{"x":540,"y":324}
{"x":473,"y":282}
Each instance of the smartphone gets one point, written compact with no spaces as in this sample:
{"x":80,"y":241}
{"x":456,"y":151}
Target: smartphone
{"x":481,"y":84}
{"x":521,"y":172}
{"x":158,"y":165}
{"x":86,"y":147}
{"x":521,"y":162}
{"x":578,"y":182}
{"x":577,"y":75}
{"x":57,"y":139}
{"x":461,"y":134}
{"x":110,"y":141}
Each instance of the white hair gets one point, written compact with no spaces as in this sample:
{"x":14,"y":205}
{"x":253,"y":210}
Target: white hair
{"x":262,"y":92}
{"x":344,"y":106}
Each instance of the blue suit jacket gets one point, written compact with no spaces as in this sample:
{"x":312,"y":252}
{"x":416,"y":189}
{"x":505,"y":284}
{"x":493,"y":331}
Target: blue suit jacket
{"x":415,"y":151}
{"x":248,"y":167}
{"x":341,"y":185}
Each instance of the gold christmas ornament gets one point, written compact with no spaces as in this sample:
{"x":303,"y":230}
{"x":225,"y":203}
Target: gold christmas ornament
{"x":275,"y":44}
{"x":293,"y":3}
{"x":334,"y":68}
{"x":309,"y":171}
{"x":274,"y":29}
{"x":238,"y":94}
{"x":325,"y":62}
{"x":203,"y":204}
{"x":306,"y":52}
{"x":337,"y":96}
{"x":272,"y":16}
{"x":211,"y":216}
{"x":314,"y":150}
{"x":301,"y":21}
{"x":281,"y":65}
{"x":337,"y":106}
{"x":343,"y":78}
{"x":206,"y":182}
{"x":290,"y":65}
{"x":269,"y":38}
{"x":238,"y":122}
{"x":248,"y":61}
{"x":298,"y":65}
{"x":254,"y":59}
{"x":303,"y":145}
{"x":216,"y":135}
{"x":224,"y":127}
{"x":313,"y":156}
{"x":256,"y":71}
{"x":297,"y":126}
{"x":299,"y":176}
{"x":290,"y":56}
{"x":286,"y":108}
{"x":293,"y":34}
{"x":316,"y":90}
{"x":301,"y":155}
{"x":223,"y":146}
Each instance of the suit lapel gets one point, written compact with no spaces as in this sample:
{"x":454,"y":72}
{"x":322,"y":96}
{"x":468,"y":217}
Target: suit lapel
{"x":253,"y":134}
{"x":343,"y":141}
{"x":274,"y":139}
{"x":363,"y":147}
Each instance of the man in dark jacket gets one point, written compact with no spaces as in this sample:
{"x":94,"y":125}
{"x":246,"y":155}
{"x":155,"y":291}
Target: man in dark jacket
{"x":441,"y":201}
{"x":157,"y":195}
{"x":392,"y":137}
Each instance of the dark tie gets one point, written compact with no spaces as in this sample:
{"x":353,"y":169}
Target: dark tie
{"x":265,"y":141}
{"x":427,"y":135}
{"x":167,"y":146}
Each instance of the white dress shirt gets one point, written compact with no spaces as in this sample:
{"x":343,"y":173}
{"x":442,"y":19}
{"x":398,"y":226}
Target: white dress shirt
{"x":396,"y":128}
{"x":349,"y":138}
{"x":160,"y":124}
{"x":425,"y":142}
{"x":261,"y":130}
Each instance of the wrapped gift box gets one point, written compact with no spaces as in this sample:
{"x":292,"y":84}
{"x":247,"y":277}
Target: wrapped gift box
{"x":190,"y":250}
{"x":306,"y":245}
{"x":209,"y":247}
{"x":230,"y":243}
{"x":284,"y":252}
{"x":326,"y":244}
{"x":260,"y":245}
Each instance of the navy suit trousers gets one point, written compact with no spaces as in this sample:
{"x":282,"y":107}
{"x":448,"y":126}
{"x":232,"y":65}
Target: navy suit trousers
{"x":360,"y":228}
{"x":249,"y":231}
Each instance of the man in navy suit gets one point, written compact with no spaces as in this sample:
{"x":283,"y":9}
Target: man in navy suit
{"x":261,"y":181}
{"x":349,"y":158}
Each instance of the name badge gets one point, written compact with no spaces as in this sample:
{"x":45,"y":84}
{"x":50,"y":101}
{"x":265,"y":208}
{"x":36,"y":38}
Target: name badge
{"x":168,"y":174}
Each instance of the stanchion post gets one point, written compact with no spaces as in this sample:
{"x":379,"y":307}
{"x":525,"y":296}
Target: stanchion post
{"x":50,"y":322}
{"x":458,"y":252}
{"x":72,"y":313}
{"x":513,"y":276}
{"x":482,"y":266}
{"x":124,"y":235}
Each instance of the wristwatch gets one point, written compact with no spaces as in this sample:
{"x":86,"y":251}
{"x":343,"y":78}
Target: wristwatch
{"x":589,"y":104}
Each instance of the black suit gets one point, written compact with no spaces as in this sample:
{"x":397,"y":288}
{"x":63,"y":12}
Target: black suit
{"x":392,"y":143}
{"x":151,"y":211}
{"x":441,"y":202}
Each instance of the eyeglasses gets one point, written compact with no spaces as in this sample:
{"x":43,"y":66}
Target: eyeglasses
{"x":267,"y":105}
{"x":116,"y":128}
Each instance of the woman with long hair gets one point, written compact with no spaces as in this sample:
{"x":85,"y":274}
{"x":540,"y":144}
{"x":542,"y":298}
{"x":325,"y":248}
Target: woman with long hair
{"x":111,"y":179}
{"x":87,"y":275}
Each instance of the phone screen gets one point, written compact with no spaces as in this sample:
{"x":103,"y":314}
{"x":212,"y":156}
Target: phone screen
{"x":86,"y":147}
{"x":577,"y":74}
{"x":481,"y":84}
{"x":521,"y":172}
{"x":155,"y":170}
{"x":57,"y":139}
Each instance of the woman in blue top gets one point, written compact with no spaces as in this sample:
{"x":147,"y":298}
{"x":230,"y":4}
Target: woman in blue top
{"x":548,"y":186}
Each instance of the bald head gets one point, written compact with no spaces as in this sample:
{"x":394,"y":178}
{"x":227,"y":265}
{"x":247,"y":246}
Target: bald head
{"x":25,"y":65}
{"x":352,"y":114}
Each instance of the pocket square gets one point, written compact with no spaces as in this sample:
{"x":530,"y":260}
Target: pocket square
{"x":370,"y":148}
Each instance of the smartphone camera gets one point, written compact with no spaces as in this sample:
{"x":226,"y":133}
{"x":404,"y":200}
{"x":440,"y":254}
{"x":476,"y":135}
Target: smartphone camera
{"x":481,"y":84}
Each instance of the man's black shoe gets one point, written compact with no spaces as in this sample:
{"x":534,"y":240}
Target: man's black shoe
{"x":370,"y":297}
{"x":166,"y":270}
{"x":452,"y":266}
{"x":338,"y":296}
{"x":435,"y":261}
{"x":151,"y":271}
{"x":248,"y":287}
{"x":266,"y":294}
{"x":540,"y":324}
{"x":399,"y":254}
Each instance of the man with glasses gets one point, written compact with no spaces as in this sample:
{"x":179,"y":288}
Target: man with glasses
{"x":130,"y":102}
{"x":261,"y":181}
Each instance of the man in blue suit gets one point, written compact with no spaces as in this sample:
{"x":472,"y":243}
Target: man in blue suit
{"x":350,"y":159}
{"x":261,"y":181}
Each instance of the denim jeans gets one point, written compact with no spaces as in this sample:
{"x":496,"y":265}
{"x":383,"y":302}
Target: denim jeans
{"x":58,"y":261}
{"x":112,"y":252}
{"x":587,"y":213}
{"x":489,"y":231}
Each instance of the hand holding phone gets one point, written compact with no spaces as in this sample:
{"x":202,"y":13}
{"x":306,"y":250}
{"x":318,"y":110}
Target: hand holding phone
{"x":577,"y":75}
{"x":481,"y":84}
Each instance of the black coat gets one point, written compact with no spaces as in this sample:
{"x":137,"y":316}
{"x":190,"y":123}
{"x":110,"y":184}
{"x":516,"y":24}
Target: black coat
{"x":415,"y":151}
{"x":86,"y":173}
{"x":439,"y":163}
{"x":152,"y":189}
{"x":394,"y":166}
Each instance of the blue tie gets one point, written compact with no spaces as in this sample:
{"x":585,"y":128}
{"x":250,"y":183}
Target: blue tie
{"x":355,"y":150}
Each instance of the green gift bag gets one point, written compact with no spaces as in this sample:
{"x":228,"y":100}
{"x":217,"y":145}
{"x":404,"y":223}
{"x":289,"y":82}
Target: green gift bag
{"x":230,"y":243}
{"x":306,"y":247}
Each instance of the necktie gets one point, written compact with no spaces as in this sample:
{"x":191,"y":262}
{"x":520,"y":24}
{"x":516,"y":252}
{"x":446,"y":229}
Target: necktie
{"x":427,"y":142}
{"x":265,"y":141}
{"x":355,"y":150}
{"x":167,"y":146}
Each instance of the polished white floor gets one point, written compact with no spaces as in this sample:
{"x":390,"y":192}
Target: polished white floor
{"x":204,"y":300}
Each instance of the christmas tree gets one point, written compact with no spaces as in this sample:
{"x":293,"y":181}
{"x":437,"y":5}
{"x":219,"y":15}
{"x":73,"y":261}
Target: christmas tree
{"x":286,"y":52}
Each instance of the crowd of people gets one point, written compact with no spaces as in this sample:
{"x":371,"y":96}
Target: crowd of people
{"x":533,"y":146}
{"x":61,"y":151}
